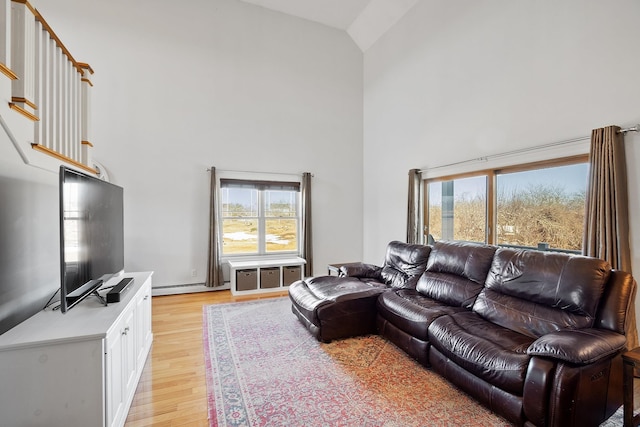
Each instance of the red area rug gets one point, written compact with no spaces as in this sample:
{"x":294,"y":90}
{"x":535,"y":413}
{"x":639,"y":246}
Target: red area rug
{"x":264,"y":369}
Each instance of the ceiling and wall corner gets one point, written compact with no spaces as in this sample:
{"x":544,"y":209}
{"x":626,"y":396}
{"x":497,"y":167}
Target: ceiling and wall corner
{"x":364,"y":20}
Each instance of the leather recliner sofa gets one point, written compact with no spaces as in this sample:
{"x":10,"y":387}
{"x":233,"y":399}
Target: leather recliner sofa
{"x":536,"y":337}
{"x":338,"y":307}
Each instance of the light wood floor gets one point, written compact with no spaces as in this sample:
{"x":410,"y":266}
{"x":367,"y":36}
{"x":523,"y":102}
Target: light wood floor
{"x":172,"y":390}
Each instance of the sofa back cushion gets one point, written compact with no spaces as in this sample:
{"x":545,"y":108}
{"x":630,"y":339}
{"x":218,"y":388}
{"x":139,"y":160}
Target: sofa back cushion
{"x":456,"y":272}
{"x":535,"y":292}
{"x":404,"y":264}
{"x":618,"y":302}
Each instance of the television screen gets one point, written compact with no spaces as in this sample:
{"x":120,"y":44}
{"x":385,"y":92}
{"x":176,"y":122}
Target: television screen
{"x":91,"y":234}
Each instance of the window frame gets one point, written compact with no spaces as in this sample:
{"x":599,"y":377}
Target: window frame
{"x":262,"y":184}
{"x":491,"y":196}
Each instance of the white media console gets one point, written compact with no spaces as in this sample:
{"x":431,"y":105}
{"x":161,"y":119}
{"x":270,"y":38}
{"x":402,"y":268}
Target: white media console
{"x":80,"y":368}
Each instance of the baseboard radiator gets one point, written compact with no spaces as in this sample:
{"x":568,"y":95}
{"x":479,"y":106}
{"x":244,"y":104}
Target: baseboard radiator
{"x":186,"y":288}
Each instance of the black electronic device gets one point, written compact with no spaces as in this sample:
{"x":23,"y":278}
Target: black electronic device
{"x":117,"y":292}
{"x":91,"y":235}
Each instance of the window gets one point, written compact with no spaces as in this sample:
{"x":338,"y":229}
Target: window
{"x":458,"y":209}
{"x":542,"y":207}
{"x":539,"y":205}
{"x":259,"y":217}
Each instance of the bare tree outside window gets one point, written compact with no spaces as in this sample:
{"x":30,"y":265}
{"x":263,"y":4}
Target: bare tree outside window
{"x":539,"y":207}
{"x":458,"y":209}
{"x":534,"y":208}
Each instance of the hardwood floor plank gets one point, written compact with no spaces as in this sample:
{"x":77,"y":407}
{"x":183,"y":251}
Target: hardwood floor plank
{"x":172,"y":390}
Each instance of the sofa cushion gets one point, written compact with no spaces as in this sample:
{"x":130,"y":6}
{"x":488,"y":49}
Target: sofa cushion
{"x":335,"y":289}
{"x":535,"y":293}
{"x":412,"y":312}
{"x":456,"y":272}
{"x":333,"y":307}
{"x":493,"y":353}
{"x":404,"y":264}
{"x":579,"y":347}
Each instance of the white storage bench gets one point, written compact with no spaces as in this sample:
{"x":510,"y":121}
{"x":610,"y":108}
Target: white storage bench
{"x":259,"y":276}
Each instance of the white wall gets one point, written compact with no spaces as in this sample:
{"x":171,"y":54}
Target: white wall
{"x":181,"y":86}
{"x":456,"y":80}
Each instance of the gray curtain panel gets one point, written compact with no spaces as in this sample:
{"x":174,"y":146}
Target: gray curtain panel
{"x":414,"y":208}
{"x":214,"y":271}
{"x":606,"y":231}
{"x":306,"y":248}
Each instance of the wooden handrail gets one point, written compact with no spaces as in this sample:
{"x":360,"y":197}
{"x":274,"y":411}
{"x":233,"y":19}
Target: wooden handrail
{"x":62,"y":157}
{"x":24,"y":112}
{"x":86,"y":66}
{"x":7,"y":72}
{"x":24,"y":101}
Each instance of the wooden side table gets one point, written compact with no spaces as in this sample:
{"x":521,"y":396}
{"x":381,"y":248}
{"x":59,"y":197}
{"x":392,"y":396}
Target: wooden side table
{"x":630,"y":362}
{"x":335,"y":268}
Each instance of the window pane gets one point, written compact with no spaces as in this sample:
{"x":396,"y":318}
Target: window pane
{"x":239,"y":202}
{"x":259,"y":220}
{"x":280,"y":203}
{"x":543,"y":206}
{"x":458,"y":209}
{"x":239,"y":236}
{"x":281,"y":235}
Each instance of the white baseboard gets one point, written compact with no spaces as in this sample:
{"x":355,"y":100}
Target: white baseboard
{"x":185,"y":289}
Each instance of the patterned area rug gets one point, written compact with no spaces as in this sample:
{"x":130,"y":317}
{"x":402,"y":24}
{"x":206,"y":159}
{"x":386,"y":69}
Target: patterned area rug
{"x":264,"y":369}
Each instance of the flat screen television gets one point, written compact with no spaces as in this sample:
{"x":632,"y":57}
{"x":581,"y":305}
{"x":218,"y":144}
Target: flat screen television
{"x":91,"y":235}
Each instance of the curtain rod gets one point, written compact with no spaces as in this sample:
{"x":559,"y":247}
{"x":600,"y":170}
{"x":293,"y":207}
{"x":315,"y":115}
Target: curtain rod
{"x":258,"y":172}
{"x":510,"y":153}
{"x":635,"y":128}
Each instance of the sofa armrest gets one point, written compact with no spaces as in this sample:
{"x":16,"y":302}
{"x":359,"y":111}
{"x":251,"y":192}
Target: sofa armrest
{"x":579,"y":346}
{"x":360,"y":269}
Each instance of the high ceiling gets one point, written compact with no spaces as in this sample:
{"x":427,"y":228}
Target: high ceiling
{"x":364,"y":20}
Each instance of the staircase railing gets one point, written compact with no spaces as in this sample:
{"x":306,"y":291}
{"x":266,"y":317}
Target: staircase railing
{"x":49,"y":87}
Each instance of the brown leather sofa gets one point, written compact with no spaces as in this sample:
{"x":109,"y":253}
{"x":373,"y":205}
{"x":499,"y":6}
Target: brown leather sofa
{"x":537,"y":337}
{"x":338,"y":307}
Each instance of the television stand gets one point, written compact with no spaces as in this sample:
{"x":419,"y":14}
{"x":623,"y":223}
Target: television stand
{"x":100,"y":297}
{"x":75,"y":297}
{"x":77,"y":369}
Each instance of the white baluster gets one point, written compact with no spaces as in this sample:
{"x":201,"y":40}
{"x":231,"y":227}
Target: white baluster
{"x":22,"y":59}
{"x":77,"y":114}
{"x":5,"y":39}
{"x":39,"y":83}
{"x":58,"y":113}
{"x":64,"y":93}
{"x":45,"y":86}
{"x":52,"y":94}
{"x":85,"y":107}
